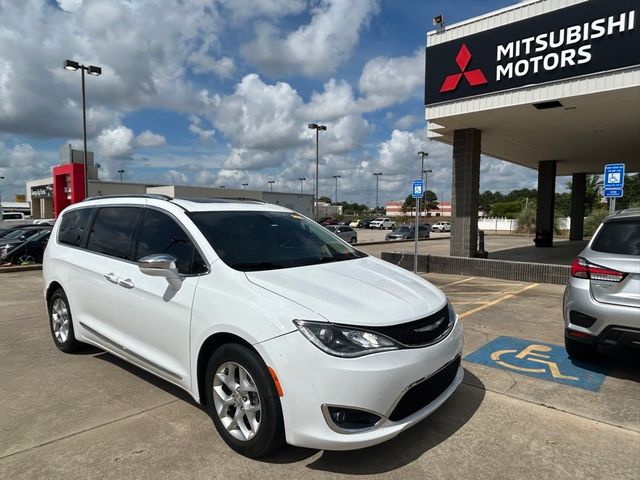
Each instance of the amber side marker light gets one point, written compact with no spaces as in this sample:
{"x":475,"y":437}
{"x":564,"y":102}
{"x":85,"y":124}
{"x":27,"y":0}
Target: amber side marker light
{"x":272,"y":372}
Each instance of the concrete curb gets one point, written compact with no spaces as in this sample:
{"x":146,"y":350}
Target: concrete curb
{"x":20,"y":268}
{"x":480,"y":267}
{"x":391,"y":242}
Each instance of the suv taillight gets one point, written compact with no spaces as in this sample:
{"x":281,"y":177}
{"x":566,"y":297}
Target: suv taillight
{"x":581,"y":268}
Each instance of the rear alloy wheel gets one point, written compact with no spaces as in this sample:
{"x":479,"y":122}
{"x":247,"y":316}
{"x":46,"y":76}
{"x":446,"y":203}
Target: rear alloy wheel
{"x":580,"y":351}
{"x":243,"y":402}
{"x":61,"y":324}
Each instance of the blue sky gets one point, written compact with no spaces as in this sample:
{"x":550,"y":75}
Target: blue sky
{"x":219,"y":92}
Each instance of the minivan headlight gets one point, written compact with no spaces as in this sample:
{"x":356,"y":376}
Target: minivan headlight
{"x":343,"y":341}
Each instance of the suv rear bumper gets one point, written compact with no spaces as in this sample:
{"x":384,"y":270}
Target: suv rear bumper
{"x":613,"y":335}
{"x":591,"y":320}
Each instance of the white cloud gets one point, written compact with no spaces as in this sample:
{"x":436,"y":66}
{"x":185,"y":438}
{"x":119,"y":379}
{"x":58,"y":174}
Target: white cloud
{"x":317,"y":48}
{"x":115,"y":142}
{"x":260,"y":116}
{"x":21,"y":163}
{"x":245,"y":9}
{"x":196,"y":129}
{"x":70,"y":5}
{"x":407,"y":121}
{"x":149,"y":139}
{"x":389,"y":80}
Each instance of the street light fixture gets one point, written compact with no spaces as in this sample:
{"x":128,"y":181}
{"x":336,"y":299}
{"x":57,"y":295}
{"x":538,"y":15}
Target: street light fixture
{"x":245,"y":185}
{"x":336,"y":197}
{"x":271,"y":182}
{"x":95,"y":71}
{"x":222,"y":186}
{"x":121,"y":171}
{"x":377,"y":175}
{"x":317,"y":128}
{"x":302,"y":179}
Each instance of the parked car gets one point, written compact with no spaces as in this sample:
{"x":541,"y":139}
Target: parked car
{"x":329,"y":221}
{"x":18,"y":236}
{"x":13,"y":217}
{"x":348,"y":234}
{"x":382,"y":223}
{"x":29,"y":252}
{"x":602,"y":300}
{"x":21,"y":226}
{"x":260,"y":314}
{"x":406,"y":232}
{"x":366,"y":223}
{"x":357,"y":223}
{"x":441,"y":227}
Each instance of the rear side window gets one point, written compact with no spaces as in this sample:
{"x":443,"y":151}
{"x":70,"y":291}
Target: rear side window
{"x":113,"y":230}
{"x":621,"y":237}
{"x":74,"y":227}
{"x":161,"y":234}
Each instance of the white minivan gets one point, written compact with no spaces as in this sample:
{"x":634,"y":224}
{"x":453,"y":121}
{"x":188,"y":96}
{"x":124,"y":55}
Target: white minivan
{"x":259,"y":313}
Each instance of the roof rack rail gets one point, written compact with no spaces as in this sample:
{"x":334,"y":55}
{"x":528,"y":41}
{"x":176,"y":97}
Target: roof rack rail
{"x":156,"y":196}
{"x":220,"y":199}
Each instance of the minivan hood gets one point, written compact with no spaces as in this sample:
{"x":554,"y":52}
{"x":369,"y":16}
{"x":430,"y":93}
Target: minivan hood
{"x":365,"y":291}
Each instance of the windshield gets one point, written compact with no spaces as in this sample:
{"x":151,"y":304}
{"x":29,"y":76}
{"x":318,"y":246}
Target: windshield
{"x":252,"y":241}
{"x":20,"y":233}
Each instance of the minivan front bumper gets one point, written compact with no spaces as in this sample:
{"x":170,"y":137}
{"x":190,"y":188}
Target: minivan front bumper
{"x":311,"y":380}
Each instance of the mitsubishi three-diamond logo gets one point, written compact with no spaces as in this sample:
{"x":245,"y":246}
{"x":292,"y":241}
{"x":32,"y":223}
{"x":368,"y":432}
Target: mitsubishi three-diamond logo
{"x":473,"y":77}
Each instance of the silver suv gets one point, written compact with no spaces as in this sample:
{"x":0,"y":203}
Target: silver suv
{"x":602,"y":298}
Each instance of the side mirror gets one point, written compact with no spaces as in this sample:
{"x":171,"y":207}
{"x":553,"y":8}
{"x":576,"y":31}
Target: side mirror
{"x":161,"y":265}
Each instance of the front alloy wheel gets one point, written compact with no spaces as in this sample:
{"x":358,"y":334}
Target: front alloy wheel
{"x":243,"y":402}
{"x":237,"y":401}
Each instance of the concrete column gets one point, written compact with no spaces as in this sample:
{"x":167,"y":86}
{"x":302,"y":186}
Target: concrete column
{"x":546,"y":202}
{"x":578,"y":190}
{"x":465,"y":192}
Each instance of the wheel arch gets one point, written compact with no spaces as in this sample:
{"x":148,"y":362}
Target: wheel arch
{"x":210,"y":345}
{"x":53,"y":286}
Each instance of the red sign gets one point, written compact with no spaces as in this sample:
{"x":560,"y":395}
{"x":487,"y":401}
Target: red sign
{"x":473,"y":77}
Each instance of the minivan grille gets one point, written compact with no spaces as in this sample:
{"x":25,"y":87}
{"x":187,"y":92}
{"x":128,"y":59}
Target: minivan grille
{"x":419,"y":332}
{"x":425,"y":392}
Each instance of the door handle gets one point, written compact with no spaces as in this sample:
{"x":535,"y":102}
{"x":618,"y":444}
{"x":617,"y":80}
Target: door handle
{"x":126,"y":283}
{"x":112,"y":277}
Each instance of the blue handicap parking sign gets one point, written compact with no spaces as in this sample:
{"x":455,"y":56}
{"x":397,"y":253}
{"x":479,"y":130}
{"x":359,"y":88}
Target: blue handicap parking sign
{"x":613,"y":175}
{"x":417,"y":189}
{"x":539,"y":360}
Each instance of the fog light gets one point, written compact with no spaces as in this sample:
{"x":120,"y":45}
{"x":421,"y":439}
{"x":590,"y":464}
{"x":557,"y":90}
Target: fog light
{"x":339,"y":416}
{"x":352,"y":419}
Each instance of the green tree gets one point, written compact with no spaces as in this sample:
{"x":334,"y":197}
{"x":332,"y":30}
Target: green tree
{"x":324,"y":199}
{"x":507,"y":209}
{"x":591,"y":193}
{"x":631,"y":196}
{"x":409,"y":204}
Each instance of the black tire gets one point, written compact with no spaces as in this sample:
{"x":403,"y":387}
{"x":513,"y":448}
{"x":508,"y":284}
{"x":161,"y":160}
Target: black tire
{"x":270,"y":434}
{"x":353,"y":240}
{"x":65,"y":343}
{"x":580,"y":351}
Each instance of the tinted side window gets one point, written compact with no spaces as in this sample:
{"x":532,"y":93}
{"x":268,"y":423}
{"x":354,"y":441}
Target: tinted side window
{"x":113,"y":230}
{"x":621,"y":237}
{"x":161,"y":234}
{"x":74,"y":226}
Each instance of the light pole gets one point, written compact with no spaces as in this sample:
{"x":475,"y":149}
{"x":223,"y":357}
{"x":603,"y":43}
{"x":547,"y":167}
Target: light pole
{"x":336,"y":197}
{"x":377,"y":175}
{"x":245,"y":185}
{"x":302,"y":179}
{"x":222,"y":186}
{"x":271,"y":182}
{"x":317,"y":128}
{"x":426,"y":201}
{"x":121,"y":171}
{"x":95,"y":71}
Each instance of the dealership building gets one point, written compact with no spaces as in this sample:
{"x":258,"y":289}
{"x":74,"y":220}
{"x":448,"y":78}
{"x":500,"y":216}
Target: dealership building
{"x":552,"y":85}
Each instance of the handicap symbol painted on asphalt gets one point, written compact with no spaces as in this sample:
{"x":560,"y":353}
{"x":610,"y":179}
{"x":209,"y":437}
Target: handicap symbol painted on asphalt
{"x":539,"y":360}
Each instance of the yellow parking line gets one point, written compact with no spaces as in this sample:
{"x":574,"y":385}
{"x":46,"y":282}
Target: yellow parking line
{"x":497,"y":300}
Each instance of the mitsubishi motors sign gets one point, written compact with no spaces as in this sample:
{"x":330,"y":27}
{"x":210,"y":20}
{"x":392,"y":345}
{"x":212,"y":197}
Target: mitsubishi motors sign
{"x":590,"y":37}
